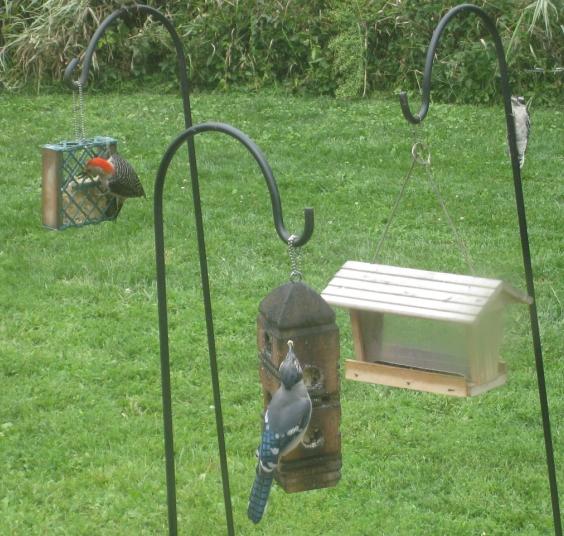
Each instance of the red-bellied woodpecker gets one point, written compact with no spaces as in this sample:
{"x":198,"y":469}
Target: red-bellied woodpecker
{"x":522,"y":126}
{"x":117,"y":177}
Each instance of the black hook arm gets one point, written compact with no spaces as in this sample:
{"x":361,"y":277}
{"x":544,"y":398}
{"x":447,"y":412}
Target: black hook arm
{"x":490,"y":25}
{"x":106,"y":23}
{"x":87,"y":60}
{"x":188,"y":136}
{"x":259,"y":157}
{"x":520,"y":205}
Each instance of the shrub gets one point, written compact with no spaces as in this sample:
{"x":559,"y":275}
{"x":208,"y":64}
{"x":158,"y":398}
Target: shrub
{"x":335,"y":47}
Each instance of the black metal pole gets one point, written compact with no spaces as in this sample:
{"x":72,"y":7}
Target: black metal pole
{"x":163,"y":323}
{"x":520,"y":204}
{"x":161,"y":274}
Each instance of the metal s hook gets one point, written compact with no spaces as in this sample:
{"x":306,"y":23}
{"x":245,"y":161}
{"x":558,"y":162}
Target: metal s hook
{"x":427,"y":73}
{"x":250,"y":145}
{"x":188,"y":136}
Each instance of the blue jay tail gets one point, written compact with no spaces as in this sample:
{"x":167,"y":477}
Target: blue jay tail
{"x":259,"y":496}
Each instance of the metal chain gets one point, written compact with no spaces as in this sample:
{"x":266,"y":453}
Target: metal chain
{"x":75,"y":114}
{"x":78,"y":113}
{"x":293,"y":252}
{"x":81,"y":109}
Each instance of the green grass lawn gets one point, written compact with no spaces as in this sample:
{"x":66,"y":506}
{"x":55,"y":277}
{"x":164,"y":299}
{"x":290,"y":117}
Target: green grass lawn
{"x":81,"y":448}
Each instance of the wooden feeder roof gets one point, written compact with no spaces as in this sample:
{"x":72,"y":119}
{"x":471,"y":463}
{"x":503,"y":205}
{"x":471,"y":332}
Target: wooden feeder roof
{"x":295,"y":305}
{"x":417,"y":293}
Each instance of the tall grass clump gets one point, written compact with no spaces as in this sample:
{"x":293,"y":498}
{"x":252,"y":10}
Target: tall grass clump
{"x":324,"y":47}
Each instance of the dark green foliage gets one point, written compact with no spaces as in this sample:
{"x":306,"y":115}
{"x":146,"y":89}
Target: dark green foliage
{"x":331,"y":47}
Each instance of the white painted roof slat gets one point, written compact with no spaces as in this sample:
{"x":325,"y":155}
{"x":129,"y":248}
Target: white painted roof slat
{"x":391,"y":300}
{"x":408,"y":282}
{"x":409,"y":292}
{"x":417,"y":293}
{"x":422,"y":274}
{"x":403,"y":310}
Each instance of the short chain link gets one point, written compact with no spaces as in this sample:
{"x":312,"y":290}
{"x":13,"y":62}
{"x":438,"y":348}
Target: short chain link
{"x":81,"y":110}
{"x":78,"y":112}
{"x":295,"y":273}
{"x":75,"y":114}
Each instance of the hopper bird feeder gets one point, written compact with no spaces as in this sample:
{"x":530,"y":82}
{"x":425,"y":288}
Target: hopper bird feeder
{"x":69,"y":198}
{"x":422,"y":330}
{"x":295,"y":311}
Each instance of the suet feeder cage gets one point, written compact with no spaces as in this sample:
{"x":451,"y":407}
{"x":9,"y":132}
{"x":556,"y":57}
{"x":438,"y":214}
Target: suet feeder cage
{"x":422,"y":330}
{"x":69,"y":198}
{"x":295,"y":311}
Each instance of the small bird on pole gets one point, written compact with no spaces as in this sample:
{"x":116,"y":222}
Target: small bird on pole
{"x":522,"y":126}
{"x":117,"y":177}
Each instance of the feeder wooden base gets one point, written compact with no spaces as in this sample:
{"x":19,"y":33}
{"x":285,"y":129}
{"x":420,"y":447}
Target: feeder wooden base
{"x":420,"y":379}
{"x":309,"y":473}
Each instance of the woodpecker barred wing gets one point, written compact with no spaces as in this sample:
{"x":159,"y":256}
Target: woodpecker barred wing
{"x":125,"y":181}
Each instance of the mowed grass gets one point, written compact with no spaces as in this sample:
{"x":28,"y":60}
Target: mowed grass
{"x":81,"y":448}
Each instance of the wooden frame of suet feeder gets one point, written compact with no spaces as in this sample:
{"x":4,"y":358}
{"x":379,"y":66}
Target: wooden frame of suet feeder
{"x":422,"y":330}
{"x":70,"y":199}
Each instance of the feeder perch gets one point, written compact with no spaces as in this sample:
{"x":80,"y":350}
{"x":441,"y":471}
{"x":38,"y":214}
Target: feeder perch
{"x":70,"y":199}
{"x":295,"y":311}
{"x":421,"y":330}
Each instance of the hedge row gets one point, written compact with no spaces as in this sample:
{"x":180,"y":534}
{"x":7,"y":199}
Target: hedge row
{"x":332,"y":47}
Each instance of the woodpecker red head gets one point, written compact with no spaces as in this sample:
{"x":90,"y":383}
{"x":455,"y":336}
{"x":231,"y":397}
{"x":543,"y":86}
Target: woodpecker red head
{"x":116,"y":176}
{"x":99,"y":166}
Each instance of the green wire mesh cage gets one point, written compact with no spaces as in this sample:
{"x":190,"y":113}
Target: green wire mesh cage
{"x":70,"y":199}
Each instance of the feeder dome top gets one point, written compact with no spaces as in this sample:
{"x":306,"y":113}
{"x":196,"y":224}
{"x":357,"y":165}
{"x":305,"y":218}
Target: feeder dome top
{"x":295,"y":305}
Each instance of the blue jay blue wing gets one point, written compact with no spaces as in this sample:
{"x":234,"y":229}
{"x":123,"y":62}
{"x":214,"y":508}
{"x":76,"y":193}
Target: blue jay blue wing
{"x":274,"y":443}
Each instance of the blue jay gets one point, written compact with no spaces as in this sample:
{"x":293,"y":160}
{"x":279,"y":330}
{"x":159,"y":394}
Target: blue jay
{"x":522,"y":126}
{"x":285,"y":423}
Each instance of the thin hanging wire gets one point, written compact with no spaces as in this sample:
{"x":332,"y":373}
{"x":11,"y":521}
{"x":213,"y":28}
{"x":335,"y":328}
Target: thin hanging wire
{"x":421,"y":155}
{"x":392,"y":215}
{"x":458,"y":237}
{"x":293,"y":252}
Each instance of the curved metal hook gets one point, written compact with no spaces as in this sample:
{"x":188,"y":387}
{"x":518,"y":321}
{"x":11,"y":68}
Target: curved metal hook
{"x":490,"y":25}
{"x":87,"y":60}
{"x":259,"y":157}
{"x":526,"y":254}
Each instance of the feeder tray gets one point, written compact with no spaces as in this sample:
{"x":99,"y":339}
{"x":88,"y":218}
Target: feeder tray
{"x":70,"y":199}
{"x":421,"y":330}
